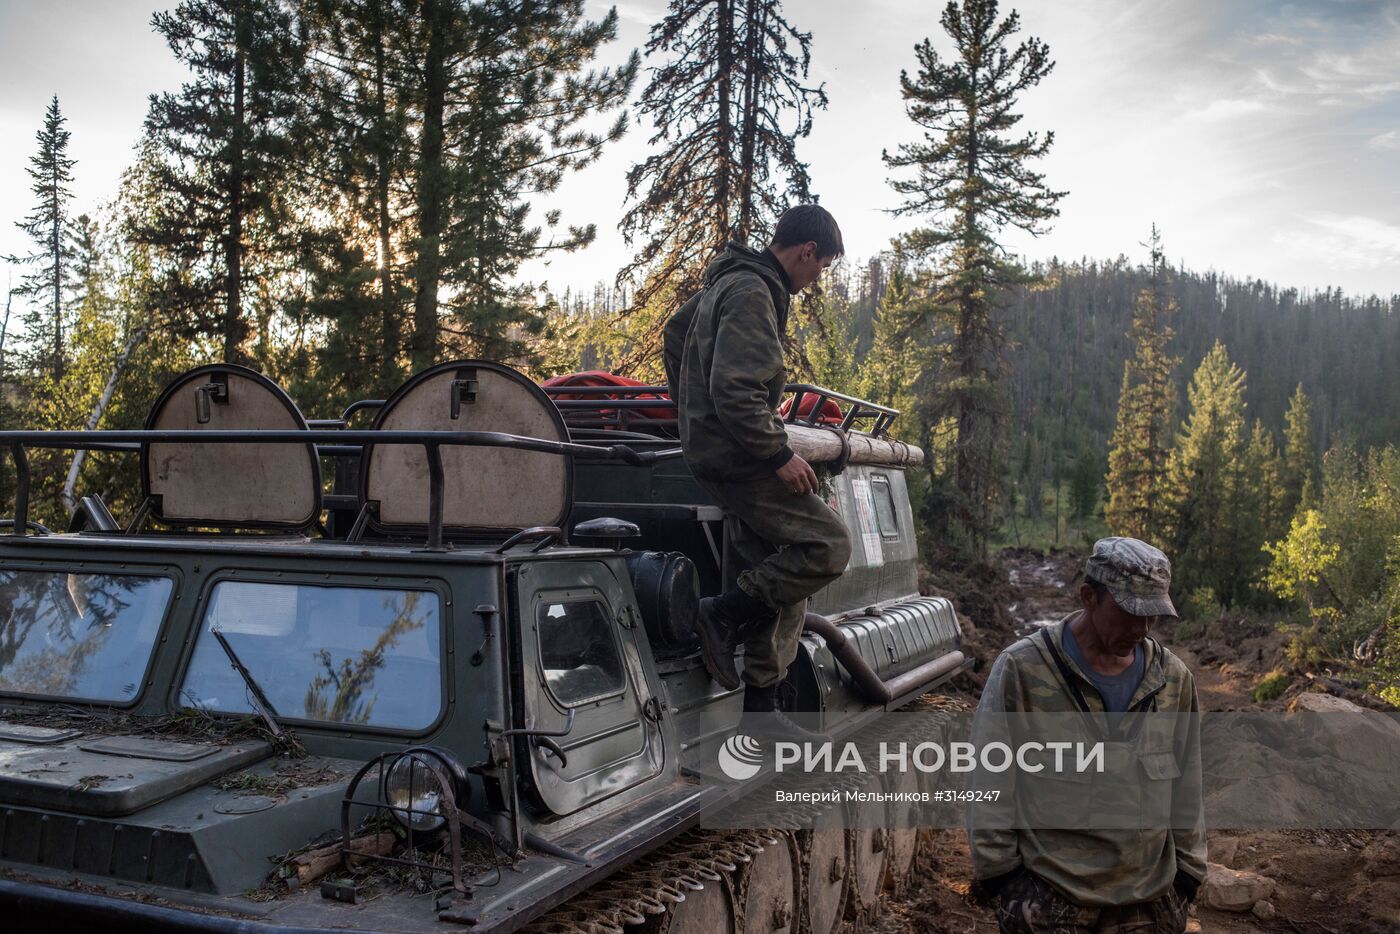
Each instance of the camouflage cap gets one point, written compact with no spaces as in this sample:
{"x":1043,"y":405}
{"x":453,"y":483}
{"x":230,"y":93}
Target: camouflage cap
{"x":1137,"y":575}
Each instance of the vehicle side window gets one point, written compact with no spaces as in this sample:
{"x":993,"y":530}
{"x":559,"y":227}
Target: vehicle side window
{"x":884,"y":506}
{"x":77,"y":634}
{"x":335,"y":654}
{"x":578,"y":651}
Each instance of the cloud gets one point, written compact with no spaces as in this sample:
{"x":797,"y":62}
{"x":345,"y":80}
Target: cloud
{"x":1227,"y":108}
{"x":642,"y":14}
{"x":1389,"y":140}
{"x":1347,"y":242}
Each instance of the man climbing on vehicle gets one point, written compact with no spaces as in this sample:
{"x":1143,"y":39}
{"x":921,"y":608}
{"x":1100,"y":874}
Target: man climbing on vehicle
{"x":1121,"y":849}
{"x":724,"y":368}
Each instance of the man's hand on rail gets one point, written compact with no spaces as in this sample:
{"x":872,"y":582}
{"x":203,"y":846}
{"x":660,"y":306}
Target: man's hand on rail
{"x":798,"y":475}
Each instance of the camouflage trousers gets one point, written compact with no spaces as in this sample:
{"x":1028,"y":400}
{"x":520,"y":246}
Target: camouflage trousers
{"x":1030,"y":905}
{"x":793,"y":545}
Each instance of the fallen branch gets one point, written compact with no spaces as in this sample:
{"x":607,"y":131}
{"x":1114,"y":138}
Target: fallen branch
{"x":99,"y":408}
{"x":1338,"y":686}
{"x":314,"y":864}
{"x":1299,"y":926}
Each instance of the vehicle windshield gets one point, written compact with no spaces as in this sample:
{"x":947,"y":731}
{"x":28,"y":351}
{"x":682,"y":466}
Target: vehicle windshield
{"x":337,"y":654}
{"x":84,"y":636}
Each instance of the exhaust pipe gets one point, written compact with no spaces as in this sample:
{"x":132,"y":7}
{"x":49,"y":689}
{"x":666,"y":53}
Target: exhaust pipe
{"x":874,"y":688}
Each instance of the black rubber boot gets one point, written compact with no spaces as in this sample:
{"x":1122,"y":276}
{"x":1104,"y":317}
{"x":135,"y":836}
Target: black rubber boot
{"x":720,"y":623}
{"x":764,"y":718}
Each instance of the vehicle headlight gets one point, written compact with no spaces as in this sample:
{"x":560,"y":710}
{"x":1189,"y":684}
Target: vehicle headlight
{"x":414,"y":792}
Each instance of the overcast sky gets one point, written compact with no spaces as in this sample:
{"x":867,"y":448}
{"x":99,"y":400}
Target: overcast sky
{"x":1263,"y":137}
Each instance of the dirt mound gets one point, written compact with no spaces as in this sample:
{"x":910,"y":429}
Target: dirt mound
{"x":1245,"y":651}
{"x":1001,"y":601}
{"x":1323,"y":880}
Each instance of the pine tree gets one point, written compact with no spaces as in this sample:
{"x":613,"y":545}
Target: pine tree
{"x":227,"y":167}
{"x":728,"y":108}
{"x":499,"y":91}
{"x":1205,"y":474}
{"x":1137,"y":456}
{"x":360,"y":115}
{"x":973,"y":179}
{"x":518,"y":134}
{"x":48,"y":226}
{"x":442,"y":31}
{"x":1298,"y":468}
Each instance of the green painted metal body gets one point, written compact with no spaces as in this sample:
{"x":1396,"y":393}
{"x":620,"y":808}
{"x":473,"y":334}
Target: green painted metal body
{"x":195,"y":820}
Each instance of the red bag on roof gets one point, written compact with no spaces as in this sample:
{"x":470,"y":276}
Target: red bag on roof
{"x":831,"y":413}
{"x":604,"y":378}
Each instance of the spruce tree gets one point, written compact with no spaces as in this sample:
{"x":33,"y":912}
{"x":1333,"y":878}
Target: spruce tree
{"x":728,"y":107}
{"x":1206,"y":481}
{"x":1298,"y":453}
{"x":1263,"y":488}
{"x":1137,"y":454}
{"x":973,"y":178}
{"x":227,"y":165}
{"x":1085,"y":480}
{"x":48,"y":225}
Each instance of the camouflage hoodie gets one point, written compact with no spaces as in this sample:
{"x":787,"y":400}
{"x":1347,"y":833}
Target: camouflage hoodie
{"x":1093,"y":865}
{"x":724,"y":367}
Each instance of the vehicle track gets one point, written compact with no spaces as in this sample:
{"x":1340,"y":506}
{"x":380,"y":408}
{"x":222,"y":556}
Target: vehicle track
{"x":718,"y":881}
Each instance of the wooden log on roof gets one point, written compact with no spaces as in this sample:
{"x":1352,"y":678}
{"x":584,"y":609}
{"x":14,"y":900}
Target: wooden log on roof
{"x":824,"y":445}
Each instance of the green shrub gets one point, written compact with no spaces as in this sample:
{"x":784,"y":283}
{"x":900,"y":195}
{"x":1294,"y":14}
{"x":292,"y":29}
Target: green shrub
{"x":1271,"y":686}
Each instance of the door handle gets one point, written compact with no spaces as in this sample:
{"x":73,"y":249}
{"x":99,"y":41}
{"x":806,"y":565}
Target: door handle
{"x":550,"y":747}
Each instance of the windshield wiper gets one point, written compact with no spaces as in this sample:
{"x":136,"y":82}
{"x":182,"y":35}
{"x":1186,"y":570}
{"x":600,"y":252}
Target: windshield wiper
{"x":258,"y":699}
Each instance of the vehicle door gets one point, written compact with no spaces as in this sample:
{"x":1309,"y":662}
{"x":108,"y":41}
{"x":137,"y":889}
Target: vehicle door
{"x":581,"y":654}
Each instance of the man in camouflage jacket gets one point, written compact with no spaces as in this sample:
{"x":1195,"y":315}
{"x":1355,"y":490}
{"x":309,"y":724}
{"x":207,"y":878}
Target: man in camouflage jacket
{"x":724,"y":369}
{"x":1078,"y":851}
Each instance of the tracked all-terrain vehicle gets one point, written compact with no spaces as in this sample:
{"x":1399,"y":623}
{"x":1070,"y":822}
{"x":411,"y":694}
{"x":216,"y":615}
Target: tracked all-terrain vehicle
{"x":433,"y":673}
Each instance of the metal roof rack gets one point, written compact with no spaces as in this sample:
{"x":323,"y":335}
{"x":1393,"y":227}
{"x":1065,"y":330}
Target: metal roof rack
{"x":328,"y":442}
{"x":620,"y":407}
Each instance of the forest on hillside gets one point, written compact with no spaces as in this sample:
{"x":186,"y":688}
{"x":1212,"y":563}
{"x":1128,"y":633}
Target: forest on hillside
{"x":344,"y":192}
{"x":1069,"y":336}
